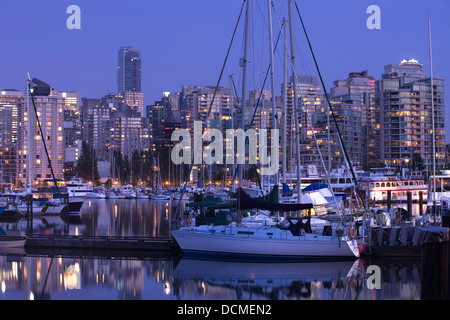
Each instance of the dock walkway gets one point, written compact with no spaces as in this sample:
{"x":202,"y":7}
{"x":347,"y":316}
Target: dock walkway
{"x":101,"y":243}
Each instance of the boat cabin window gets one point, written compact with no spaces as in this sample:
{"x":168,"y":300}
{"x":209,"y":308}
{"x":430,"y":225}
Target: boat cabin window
{"x":383,"y":185}
{"x":377,"y":184}
{"x":388,"y":184}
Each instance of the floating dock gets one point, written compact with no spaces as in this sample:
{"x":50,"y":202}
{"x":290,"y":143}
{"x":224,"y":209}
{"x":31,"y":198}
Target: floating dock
{"x":101,"y":243}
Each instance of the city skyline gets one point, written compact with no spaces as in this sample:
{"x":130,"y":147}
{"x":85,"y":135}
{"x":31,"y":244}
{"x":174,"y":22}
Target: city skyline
{"x":185,"y":43}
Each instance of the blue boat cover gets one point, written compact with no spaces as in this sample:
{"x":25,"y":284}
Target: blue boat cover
{"x":315,"y":186}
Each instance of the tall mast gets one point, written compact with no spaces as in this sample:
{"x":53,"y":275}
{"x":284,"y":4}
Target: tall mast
{"x":294,"y":84}
{"x":272,"y":78}
{"x":283,"y":116}
{"x":432,"y":115}
{"x":30,"y":138}
{"x":243,"y":64}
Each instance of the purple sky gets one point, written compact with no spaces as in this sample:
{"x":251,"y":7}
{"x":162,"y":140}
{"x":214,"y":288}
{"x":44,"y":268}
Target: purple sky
{"x":185,"y":42}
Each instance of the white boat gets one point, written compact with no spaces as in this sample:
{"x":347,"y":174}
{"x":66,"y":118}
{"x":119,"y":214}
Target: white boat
{"x":76,"y":187}
{"x":288,"y":240}
{"x":442,"y":187}
{"x":95,"y":195}
{"x":11,"y":239}
{"x":11,"y":243}
{"x":177,"y":196}
{"x":115,"y":195}
{"x":160,"y":197}
{"x":140,"y":195}
{"x":376,"y":185}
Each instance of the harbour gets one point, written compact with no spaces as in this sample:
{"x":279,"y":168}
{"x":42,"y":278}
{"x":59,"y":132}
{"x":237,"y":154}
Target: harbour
{"x":166,"y":274}
{"x":279,"y":183}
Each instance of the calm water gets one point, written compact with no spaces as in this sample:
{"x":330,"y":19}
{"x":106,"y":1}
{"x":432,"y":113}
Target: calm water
{"x":64,"y":277}
{"x":107,"y":217}
{"x":80,"y":275}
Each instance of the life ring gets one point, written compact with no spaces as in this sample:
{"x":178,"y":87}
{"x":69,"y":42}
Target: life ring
{"x":352,"y":233}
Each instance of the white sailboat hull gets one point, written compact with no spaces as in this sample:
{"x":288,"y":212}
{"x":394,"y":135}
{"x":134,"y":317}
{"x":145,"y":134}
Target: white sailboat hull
{"x":279,"y":244}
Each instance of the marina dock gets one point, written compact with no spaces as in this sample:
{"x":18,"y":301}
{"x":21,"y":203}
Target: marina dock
{"x":100,"y":243}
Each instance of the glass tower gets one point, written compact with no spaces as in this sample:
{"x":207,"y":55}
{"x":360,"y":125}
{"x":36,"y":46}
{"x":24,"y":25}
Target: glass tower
{"x":129,"y":70}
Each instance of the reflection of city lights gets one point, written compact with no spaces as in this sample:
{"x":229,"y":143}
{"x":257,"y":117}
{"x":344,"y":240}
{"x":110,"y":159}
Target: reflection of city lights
{"x":3,"y":286}
{"x":72,"y":277}
{"x":31,"y":296}
{"x":14,"y":268}
{"x":167,"y":288}
{"x":203,"y":287}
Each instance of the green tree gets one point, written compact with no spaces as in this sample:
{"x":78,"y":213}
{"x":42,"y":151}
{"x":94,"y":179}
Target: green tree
{"x":87,"y":164}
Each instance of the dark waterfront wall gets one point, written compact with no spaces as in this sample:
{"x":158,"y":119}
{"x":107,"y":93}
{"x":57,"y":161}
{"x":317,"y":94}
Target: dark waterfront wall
{"x":435,"y":265}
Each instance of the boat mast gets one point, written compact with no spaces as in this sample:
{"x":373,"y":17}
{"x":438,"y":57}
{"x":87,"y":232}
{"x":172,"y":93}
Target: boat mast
{"x":294,"y":84}
{"x":432,"y":115}
{"x":283,"y":116}
{"x":30,"y":138}
{"x":243,"y":64}
{"x":272,"y":79}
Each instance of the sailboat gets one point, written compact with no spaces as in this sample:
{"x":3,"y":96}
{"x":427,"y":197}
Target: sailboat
{"x":292,"y":238}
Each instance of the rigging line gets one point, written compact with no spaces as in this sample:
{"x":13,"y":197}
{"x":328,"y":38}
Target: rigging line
{"x":234,"y":87}
{"x":331,"y":109}
{"x":210,"y":107}
{"x":259,"y":98}
{"x":43,"y":138}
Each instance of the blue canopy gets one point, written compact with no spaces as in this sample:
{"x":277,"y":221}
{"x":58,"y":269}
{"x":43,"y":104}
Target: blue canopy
{"x":315,"y":186}
{"x":287,"y":192}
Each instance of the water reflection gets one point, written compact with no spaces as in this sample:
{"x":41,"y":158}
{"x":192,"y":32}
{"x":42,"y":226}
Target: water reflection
{"x":47,"y":274}
{"x":25,"y":276}
{"x":343,"y":280}
{"x":119,"y":217}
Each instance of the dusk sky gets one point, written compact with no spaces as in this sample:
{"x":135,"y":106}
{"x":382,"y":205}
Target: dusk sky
{"x":185,"y":42}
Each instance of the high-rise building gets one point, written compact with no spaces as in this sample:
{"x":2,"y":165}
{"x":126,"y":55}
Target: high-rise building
{"x":31,"y":155}
{"x":129,"y":132}
{"x":129,"y":70}
{"x":129,"y":78}
{"x":97,"y":127}
{"x":309,"y":94}
{"x":352,"y":100}
{"x":404,"y":116}
{"x":9,"y":101}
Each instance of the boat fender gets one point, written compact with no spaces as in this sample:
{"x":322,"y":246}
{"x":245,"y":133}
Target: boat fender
{"x":352,"y":233}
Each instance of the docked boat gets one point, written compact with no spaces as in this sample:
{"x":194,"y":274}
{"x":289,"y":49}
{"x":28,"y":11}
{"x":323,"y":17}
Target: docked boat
{"x":141,"y":195}
{"x":6,"y":242}
{"x":96,"y":195}
{"x":160,"y":197}
{"x":11,"y":239}
{"x":76,"y":187}
{"x":376,"y":185}
{"x":288,"y":240}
